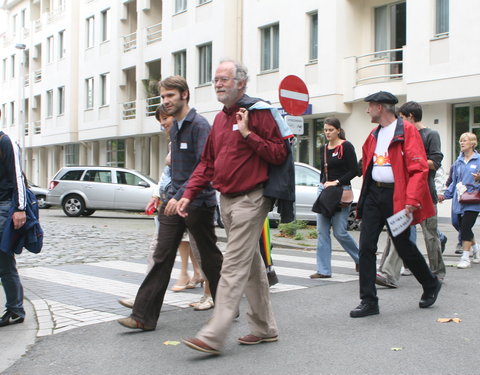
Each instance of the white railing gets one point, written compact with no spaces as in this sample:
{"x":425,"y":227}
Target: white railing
{"x":26,"y":80}
{"x":26,"y":32}
{"x":56,"y":13}
{"x":37,"y":127}
{"x":154,"y":33}
{"x":26,"y":127}
{"x":129,"y":42}
{"x":37,"y":76}
{"x":38,"y":25}
{"x":151,"y":105}
{"x":129,"y":110}
{"x":379,"y":66}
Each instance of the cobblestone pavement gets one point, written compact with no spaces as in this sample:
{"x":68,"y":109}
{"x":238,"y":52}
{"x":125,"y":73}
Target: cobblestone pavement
{"x":107,"y":235}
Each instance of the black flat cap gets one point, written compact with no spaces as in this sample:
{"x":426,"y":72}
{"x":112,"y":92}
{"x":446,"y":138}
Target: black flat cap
{"x":382,"y":97}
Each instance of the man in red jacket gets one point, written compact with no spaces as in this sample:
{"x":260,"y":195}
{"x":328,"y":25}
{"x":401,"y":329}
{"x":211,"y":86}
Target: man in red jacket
{"x":395,"y":174}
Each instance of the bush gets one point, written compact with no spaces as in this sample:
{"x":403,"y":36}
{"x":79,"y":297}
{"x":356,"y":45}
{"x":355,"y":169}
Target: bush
{"x":290,"y":229}
{"x":299,"y":237}
{"x":312,"y":233}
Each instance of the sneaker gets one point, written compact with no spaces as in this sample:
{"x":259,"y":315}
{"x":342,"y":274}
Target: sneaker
{"x":476,"y":254}
{"x":10,"y":318}
{"x":464,"y":263}
{"x":459,"y":249}
{"x":384,"y":280}
{"x":405,"y":272}
{"x":207,"y":304}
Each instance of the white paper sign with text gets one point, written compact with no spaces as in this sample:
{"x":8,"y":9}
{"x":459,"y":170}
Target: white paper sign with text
{"x":399,"y":222}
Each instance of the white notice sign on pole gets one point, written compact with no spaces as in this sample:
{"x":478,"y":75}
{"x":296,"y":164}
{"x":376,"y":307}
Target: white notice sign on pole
{"x":295,"y":123}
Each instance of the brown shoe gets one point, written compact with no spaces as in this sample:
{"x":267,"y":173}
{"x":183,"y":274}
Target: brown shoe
{"x":253,"y":340}
{"x":134,"y":324}
{"x":199,"y":345}
{"x":319,"y":276}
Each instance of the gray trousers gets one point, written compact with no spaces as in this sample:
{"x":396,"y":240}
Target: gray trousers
{"x":242,"y":271}
{"x":391,"y":263}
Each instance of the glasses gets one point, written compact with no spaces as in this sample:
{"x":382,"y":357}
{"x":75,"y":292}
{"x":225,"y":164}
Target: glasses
{"x":222,"y":80}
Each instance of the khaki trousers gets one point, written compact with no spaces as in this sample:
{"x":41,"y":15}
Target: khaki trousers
{"x":242,"y":271}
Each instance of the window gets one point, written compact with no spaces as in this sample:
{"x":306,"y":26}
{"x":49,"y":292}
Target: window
{"x":4,"y":69}
{"x":270,"y":48}
{"x":49,"y":103}
{"x":61,"y":44}
{"x":180,"y":63}
{"x":50,"y":49}
{"x":116,"y":153}
{"x":305,"y":176}
{"x":75,"y":175}
{"x":98,"y":176}
{"x":3,"y":115}
{"x":390,"y":27}
{"x":61,"y":100}
{"x":12,"y":113}
{"x":126,"y":178}
{"x":12,"y":66}
{"x":205,"y":64}
{"x":22,"y":18}
{"x":90,"y":27}
{"x":442,"y":13}
{"x":72,"y":152}
{"x":105,"y":89}
{"x":180,"y":6}
{"x":200,"y":2}
{"x":14,"y":24}
{"x":89,"y":93}
{"x":313,"y":55}
{"x":105,"y":29}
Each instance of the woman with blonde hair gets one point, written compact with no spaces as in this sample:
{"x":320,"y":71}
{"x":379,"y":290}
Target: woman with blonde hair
{"x":464,"y":171}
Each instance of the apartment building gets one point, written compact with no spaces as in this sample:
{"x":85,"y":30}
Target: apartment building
{"x":78,"y":78}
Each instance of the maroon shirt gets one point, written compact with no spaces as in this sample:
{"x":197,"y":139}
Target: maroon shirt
{"x":234,"y":164}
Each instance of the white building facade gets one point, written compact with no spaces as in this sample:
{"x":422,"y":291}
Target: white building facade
{"x":82,"y":91}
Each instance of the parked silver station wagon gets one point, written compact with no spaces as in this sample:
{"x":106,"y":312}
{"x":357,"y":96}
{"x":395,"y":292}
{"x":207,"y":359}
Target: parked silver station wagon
{"x":83,"y":190}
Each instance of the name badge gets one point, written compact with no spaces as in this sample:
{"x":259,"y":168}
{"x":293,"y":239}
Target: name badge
{"x":183,"y":146}
{"x":235,"y":127}
{"x":473,"y":166}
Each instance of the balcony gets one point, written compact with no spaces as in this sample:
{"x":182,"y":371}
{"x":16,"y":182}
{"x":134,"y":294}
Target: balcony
{"x":129,"y":110}
{"x":129,"y":42}
{"x":154,"y":33}
{"x":26,"y":80}
{"x":379,"y":66}
{"x":37,"y":76}
{"x":37,"y":127}
{"x":151,"y":105}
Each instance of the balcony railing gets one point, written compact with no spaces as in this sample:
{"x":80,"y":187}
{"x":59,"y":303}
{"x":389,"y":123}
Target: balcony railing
{"x":154,"y":33}
{"x":37,"y":127}
{"x":379,"y":66}
{"x":26,"y":80}
{"x":129,"y":110}
{"x":25,"y":127}
{"x":151,"y":105}
{"x":129,"y":42}
{"x":38,"y":25}
{"x":37,"y":76}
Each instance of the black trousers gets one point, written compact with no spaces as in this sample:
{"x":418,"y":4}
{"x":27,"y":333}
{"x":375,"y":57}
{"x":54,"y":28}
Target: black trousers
{"x":199,"y":222}
{"x":377,"y":208}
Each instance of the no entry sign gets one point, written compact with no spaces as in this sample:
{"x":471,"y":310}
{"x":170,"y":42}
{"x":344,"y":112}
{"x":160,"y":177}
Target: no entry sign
{"x":293,"y":94}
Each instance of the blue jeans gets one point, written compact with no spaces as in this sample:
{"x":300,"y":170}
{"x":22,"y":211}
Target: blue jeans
{"x":8,"y":271}
{"x":339,"y":223}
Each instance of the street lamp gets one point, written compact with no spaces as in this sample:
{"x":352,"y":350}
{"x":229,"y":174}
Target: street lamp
{"x":21,"y":93}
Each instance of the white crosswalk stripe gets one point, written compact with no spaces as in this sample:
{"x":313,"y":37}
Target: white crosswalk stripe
{"x":66,"y":315}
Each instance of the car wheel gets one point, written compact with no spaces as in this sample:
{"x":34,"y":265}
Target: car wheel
{"x":218,"y":217}
{"x":353,"y":222}
{"x":73,"y":206}
{"x":88,"y":212}
{"x":41,"y":202}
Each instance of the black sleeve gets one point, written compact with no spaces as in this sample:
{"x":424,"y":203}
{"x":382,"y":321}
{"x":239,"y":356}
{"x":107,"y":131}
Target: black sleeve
{"x":434,"y":148}
{"x":351,"y":163}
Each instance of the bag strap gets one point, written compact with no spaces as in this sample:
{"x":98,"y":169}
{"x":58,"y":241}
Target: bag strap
{"x":325,"y":164}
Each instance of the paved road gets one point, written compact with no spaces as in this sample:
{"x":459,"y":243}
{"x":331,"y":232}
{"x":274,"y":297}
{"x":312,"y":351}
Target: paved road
{"x":88,"y":263}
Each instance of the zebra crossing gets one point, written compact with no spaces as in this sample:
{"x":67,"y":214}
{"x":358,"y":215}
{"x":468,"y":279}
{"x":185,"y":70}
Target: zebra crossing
{"x":74,"y":295}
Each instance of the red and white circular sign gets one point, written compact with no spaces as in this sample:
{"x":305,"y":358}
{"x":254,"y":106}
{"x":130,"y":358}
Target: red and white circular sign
{"x":293,"y":94}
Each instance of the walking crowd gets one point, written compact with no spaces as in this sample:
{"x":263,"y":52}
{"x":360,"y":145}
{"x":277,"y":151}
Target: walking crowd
{"x":246,"y":156}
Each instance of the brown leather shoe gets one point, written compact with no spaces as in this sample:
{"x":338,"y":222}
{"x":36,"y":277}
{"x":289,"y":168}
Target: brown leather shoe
{"x":134,"y":324}
{"x":253,"y":340}
{"x":199,"y":345}
{"x":319,"y":276}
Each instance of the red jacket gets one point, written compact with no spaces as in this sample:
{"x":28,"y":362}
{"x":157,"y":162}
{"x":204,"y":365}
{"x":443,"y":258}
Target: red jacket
{"x":410,"y":171}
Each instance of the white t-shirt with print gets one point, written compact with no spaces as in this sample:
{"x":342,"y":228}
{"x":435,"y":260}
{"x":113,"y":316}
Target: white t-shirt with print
{"x":382,"y":167}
